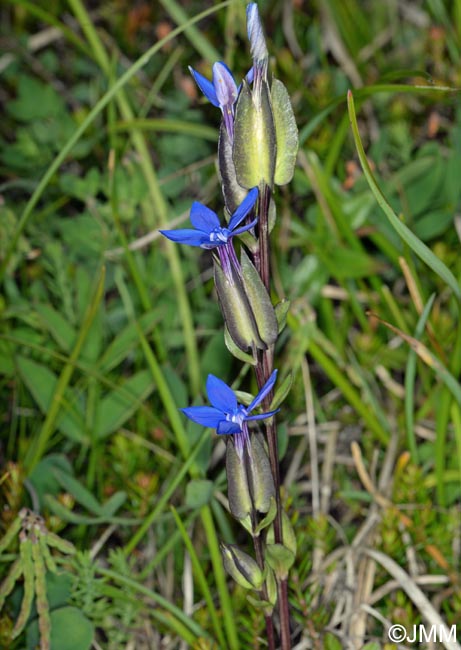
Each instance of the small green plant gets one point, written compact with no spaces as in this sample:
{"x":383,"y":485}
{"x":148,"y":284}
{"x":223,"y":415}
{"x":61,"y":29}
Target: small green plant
{"x":34,"y":560}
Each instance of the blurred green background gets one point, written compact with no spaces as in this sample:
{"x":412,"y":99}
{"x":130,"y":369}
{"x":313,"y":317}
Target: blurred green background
{"x":105,"y":330}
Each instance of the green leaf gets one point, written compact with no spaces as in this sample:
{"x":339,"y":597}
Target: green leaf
{"x":113,"y":504}
{"x":280,"y":559}
{"x":282,"y":391}
{"x":70,"y":630}
{"x":254,"y":138}
{"x":35,"y":100}
{"x":198,"y":493}
{"x":236,"y":310}
{"x":42,"y":382}
{"x":58,"y":326}
{"x":58,"y":509}
{"x":269,"y":518}
{"x":79,"y":492}
{"x":236,"y":351}
{"x":43,"y":478}
{"x":126,"y":339}
{"x":281,"y":313}
{"x":286,"y":133}
{"x":433,"y":224}
{"x":331,"y":642}
{"x":116,"y":408}
{"x":405,"y":233}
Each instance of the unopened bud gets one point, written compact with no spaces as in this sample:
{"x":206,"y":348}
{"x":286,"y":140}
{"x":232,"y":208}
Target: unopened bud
{"x":254,"y":149}
{"x":241,"y":567}
{"x":260,"y":475}
{"x":255,"y":31}
{"x":238,"y":490}
{"x":236,"y":309}
{"x":259,"y":299}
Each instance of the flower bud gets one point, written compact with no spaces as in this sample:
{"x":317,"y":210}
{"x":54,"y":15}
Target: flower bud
{"x":258,"y":298}
{"x":224,"y":84}
{"x":254,"y":148}
{"x":236,"y":309}
{"x":255,"y":31}
{"x":241,"y":567}
{"x":260,"y":474}
{"x":238,"y":490}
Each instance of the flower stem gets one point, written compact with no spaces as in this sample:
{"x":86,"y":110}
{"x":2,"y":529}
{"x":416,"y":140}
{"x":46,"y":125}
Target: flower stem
{"x":267,"y":617}
{"x":263,"y":371}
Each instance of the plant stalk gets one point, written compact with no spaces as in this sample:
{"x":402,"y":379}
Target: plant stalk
{"x":270,"y":633}
{"x":263,"y":371}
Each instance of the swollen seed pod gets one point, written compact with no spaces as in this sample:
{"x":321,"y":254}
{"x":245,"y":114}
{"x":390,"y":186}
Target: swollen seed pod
{"x":236,"y":310}
{"x":238,"y":490}
{"x":258,"y":298}
{"x":254,"y":149}
{"x":241,"y":567}
{"x":260,"y":475}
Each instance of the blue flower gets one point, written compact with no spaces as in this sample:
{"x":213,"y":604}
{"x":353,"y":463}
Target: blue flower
{"x":226,"y":415}
{"x":221,"y":91}
{"x":208,"y":232}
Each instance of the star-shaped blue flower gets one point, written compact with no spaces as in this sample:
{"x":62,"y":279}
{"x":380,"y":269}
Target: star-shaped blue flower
{"x":221,"y":91}
{"x":226,"y":415}
{"x":208,"y":232}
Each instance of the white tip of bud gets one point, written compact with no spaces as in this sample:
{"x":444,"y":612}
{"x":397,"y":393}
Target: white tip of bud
{"x":258,"y":47}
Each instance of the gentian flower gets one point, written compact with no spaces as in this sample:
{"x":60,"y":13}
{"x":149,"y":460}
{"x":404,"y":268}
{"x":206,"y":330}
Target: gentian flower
{"x":208,"y":232}
{"x":221,"y":91}
{"x":226,"y":415}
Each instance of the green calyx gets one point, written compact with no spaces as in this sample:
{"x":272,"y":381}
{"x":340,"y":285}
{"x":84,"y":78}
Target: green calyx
{"x":241,"y":567}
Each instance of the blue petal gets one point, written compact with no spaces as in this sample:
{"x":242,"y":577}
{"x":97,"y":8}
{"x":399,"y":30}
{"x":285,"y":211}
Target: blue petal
{"x":250,"y":75}
{"x":261,"y":416}
{"x":207,"y":416}
{"x":205,"y":86}
{"x":224,"y":84}
{"x":244,"y":208}
{"x":203,"y":218}
{"x":263,"y":392}
{"x":226,"y":428}
{"x":220,"y":395}
{"x":186,"y":236}
{"x":239,"y":231}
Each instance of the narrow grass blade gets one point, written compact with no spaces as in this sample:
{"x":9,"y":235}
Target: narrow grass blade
{"x":410,"y":373}
{"x":38,"y":449}
{"x":177,"y":613}
{"x":169,"y":126}
{"x":429,"y":359}
{"x":201,"y":578}
{"x":203,"y":47}
{"x":166,"y":495}
{"x":405,"y":233}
